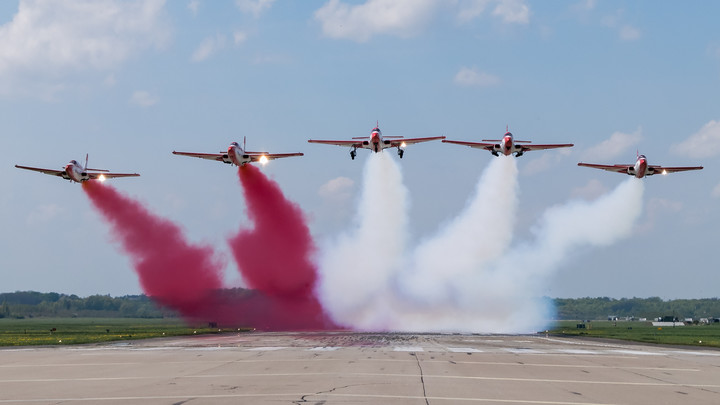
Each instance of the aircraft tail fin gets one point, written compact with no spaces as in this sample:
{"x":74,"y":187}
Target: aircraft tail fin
{"x":87,"y":156}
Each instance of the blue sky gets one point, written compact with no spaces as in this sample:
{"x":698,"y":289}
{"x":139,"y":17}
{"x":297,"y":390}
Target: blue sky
{"x":128,"y":82}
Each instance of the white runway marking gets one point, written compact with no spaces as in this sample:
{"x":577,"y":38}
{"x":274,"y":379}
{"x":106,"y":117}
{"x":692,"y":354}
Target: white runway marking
{"x":525,"y":351}
{"x":574,"y":351}
{"x":265,"y":349}
{"x":376,"y":397}
{"x":382,"y":375}
{"x":408,"y":349}
{"x":637,"y":352}
{"x":694,"y":353}
{"x":464,"y":350}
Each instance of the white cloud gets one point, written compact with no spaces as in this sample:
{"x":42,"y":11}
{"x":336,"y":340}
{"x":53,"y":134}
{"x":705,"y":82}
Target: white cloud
{"x":472,"y":77}
{"x":589,"y":4}
{"x":193,"y":6}
{"x":625,"y":31}
{"x":716,"y":191}
{"x":208,"y":47}
{"x":658,"y":209}
{"x":470,"y":10}
{"x":616,"y":145}
{"x":545,"y":161}
{"x":143,"y":99}
{"x":629,"y":33}
{"x":47,"y":40}
{"x":239,"y":37}
{"x":402,"y":18}
{"x":704,"y":143}
{"x":590,"y":191}
{"x":110,"y":80}
{"x":254,"y":7}
{"x":212,"y":45}
{"x":337,"y":195}
{"x":338,"y":189}
{"x":713,"y":50}
{"x":513,"y":11}
{"x":44,"y":213}
{"x":407,"y":18}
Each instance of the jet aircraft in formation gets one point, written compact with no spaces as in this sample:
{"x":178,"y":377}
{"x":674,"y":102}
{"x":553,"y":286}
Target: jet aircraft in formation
{"x":640,"y":168}
{"x":508,"y":145}
{"x":376,"y":142}
{"x":78,"y":173}
{"x":238,"y":156}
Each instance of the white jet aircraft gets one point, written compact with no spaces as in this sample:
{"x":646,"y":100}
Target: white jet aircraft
{"x":376,"y":142}
{"x":75,"y":172}
{"x":238,"y":156}
{"x":508,"y":145}
{"x":640,"y":168}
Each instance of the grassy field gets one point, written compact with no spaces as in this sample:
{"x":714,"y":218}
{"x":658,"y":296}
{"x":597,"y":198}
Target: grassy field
{"x":694,"y":335}
{"x":64,"y":331}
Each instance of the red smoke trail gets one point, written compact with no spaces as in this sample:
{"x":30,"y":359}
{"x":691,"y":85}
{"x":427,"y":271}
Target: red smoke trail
{"x":275,"y":256}
{"x":172,"y":271}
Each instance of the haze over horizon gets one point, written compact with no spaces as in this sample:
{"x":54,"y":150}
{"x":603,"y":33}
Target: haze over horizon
{"x":128,"y":82}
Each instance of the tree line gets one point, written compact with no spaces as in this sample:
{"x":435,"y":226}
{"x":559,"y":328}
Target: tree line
{"x":28,"y":304}
{"x":22,"y":304}
{"x":650,"y":308}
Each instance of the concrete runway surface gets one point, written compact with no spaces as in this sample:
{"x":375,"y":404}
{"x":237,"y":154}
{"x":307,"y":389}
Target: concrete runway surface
{"x":360,"y":368}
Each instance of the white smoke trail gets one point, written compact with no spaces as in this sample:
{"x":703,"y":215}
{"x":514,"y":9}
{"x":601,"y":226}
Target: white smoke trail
{"x":577,"y":223}
{"x":468,"y":278}
{"x":357,"y":270}
{"x":482,"y":232}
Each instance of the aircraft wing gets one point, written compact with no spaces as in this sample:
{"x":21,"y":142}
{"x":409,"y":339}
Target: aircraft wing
{"x":60,"y":173}
{"x":664,"y":170}
{"x":478,"y":145}
{"x":624,"y":169}
{"x":111,"y":175}
{"x":410,"y":141}
{"x":357,"y":144}
{"x":272,"y":156}
{"x":209,"y":156}
{"x":529,"y":146}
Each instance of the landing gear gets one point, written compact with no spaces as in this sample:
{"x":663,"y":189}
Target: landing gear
{"x":401,"y":153}
{"x":519,"y":154}
{"x":353,"y":153}
{"x":495,"y":153}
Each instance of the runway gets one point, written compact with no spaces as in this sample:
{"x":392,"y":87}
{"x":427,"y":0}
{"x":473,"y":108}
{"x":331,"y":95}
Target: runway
{"x":360,"y":368}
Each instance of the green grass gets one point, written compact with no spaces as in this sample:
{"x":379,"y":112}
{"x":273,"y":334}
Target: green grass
{"x":694,"y":335}
{"x":38,"y":331}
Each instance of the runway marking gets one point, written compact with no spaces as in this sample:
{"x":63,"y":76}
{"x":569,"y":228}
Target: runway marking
{"x":408,"y":349}
{"x":249,"y":361}
{"x":578,"y":351}
{"x":638,"y":352}
{"x":694,"y":353}
{"x":524,"y":351}
{"x":296,"y":395}
{"x":265,"y":349}
{"x":384,"y":375}
{"x":324,"y":349}
{"x":464,"y":350}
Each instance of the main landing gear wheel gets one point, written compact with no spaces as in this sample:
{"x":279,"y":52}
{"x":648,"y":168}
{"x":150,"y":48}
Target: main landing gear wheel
{"x":401,"y":153}
{"x":352,"y":154}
